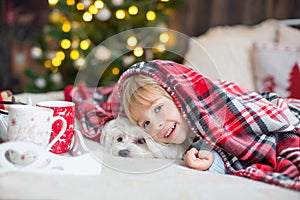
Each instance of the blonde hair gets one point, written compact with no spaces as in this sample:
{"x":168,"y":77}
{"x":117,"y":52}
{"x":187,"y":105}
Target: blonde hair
{"x":137,"y":93}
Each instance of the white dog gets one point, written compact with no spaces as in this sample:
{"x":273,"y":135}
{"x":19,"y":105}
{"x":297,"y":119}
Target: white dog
{"x":122,"y":138}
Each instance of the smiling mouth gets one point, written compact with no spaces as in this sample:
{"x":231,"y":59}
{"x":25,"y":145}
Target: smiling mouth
{"x":171,"y":129}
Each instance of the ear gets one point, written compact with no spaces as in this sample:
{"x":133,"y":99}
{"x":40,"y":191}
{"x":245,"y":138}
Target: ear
{"x":120,"y":121}
{"x":103,"y":135}
{"x":107,"y":130}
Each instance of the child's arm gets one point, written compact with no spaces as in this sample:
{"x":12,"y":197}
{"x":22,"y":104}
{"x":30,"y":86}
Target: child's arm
{"x":198,"y":159}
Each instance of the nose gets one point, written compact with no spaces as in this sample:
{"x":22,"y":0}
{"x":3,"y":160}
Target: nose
{"x":156,"y":124}
{"x":160,"y":124}
{"x":124,"y":153}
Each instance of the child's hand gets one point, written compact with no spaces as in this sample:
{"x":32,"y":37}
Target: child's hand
{"x":201,"y":160}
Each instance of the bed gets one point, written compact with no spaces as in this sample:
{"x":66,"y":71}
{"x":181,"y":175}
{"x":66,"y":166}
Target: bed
{"x":132,"y":178}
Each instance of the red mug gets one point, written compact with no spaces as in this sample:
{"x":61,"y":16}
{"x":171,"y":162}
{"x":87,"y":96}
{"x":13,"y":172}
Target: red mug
{"x":66,"y":110}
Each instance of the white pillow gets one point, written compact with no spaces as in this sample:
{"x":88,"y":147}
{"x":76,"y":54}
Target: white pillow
{"x":277,"y":68}
{"x":288,"y":35}
{"x":224,"y":52}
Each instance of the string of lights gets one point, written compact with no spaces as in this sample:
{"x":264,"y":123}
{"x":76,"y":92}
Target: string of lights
{"x":76,"y":27}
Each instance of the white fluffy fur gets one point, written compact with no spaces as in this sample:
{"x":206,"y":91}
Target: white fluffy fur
{"x":122,"y":138}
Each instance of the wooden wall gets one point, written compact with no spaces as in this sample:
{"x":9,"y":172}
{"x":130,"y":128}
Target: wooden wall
{"x":197,"y":16}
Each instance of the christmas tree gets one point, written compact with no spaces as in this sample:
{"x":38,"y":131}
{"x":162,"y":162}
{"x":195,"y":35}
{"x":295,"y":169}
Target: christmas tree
{"x":76,"y":27}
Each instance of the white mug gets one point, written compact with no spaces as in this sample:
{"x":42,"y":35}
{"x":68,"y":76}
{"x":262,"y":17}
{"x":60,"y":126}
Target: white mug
{"x":33,"y":124}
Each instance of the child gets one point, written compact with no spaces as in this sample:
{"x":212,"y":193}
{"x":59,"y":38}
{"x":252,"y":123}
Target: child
{"x":142,"y":93}
{"x":254,"y":138}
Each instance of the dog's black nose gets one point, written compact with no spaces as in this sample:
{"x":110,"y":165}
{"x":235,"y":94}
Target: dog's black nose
{"x":124,"y":153}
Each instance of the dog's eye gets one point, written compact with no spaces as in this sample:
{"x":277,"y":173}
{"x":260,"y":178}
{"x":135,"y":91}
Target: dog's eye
{"x":141,"y":141}
{"x":119,"y":139}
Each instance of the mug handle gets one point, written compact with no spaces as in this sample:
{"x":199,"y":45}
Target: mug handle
{"x":62,"y":131}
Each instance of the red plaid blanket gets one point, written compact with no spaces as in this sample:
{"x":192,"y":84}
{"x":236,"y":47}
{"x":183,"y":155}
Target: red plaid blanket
{"x":257,"y":135}
{"x":92,"y":107}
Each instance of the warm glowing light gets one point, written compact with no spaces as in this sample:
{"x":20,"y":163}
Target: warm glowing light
{"x":79,"y":63}
{"x":60,"y":55}
{"x":74,"y":54}
{"x":56,"y":62}
{"x":87,"y":17}
{"x":115,"y":71}
{"x":164,"y":1}
{"x":80,"y":6}
{"x":55,"y":16}
{"x":66,"y":27}
{"x":93,"y":9}
{"x":54,"y":69}
{"x":65,"y":43}
{"x":161,"y":47}
{"x":150,"y":15}
{"x":131,"y":41}
{"x":70,"y":2}
{"x":102,"y":53}
{"x":133,"y":10}
{"x":64,"y":19}
{"x":120,"y":14}
{"x":47,"y":63}
{"x":84,"y":44}
{"x":99,"y":4}
{"x":52,"y":2}
{"x":164,"y":37}
{"x":138,"y":51}
{"x":36,"y":52}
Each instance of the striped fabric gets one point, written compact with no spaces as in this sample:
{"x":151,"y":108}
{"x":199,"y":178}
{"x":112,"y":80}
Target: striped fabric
{"x":257,"y":135}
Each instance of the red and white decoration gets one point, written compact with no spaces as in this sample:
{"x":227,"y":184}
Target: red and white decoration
{"x":277,"y":69}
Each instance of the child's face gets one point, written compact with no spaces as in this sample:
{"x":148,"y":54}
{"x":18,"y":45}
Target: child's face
{"x":163,"y":121}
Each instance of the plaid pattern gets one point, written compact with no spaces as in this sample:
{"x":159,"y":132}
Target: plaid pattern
{"x":257,"y":135}
{"x":92,"y":108}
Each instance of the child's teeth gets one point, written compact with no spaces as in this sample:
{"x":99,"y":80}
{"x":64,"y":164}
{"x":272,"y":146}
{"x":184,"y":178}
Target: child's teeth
{"x":170,"y":130}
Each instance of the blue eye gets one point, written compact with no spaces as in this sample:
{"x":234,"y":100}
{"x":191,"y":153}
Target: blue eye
{"x":145,"y":124}
{"x":158,"y":108}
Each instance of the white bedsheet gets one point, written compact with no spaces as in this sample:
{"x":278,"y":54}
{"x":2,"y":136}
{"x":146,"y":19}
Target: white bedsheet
{"x":156,"y":179}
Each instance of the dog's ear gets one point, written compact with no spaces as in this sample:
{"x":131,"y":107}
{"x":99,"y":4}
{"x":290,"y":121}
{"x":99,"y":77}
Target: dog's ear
{"x":106,"y":129}
{"x":119,"y":121}
{"x":122,"y":121}
{"x":103,"y":135}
